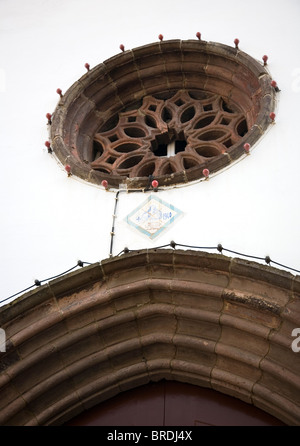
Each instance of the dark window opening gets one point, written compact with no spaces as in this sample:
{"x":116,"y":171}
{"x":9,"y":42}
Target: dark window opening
{"x":162,"y":150}
{"x":211,"y":135}
{"x":225,"y":121}
{"x":188,"y":114}
{"x":207,"y":152}
{"x":226,"y":107}
{"x":179,"y":102}
{"x":204,"y":122}
{"x":198,"y":94}
{"x":189,"y":163}
{"x":97,"y":150}
{"x":147,"y":170}
{"x":163,"y":144}
{"x":180,"y":146}
{"x":207,"y":107}
{"x":110,"y":124}
{"x":126,"y":147}
{"x":228,"y":143}
{"x":130,"y":162}
{"x":111,"y":160}
{"x":164,"y":95}
{"x":242,"y":128}
{"x":150,"y":122}
{"x":168,"y":169}
{"x":166,"y":115}
{"x":101,"y":169}
{"x":134,"y":132}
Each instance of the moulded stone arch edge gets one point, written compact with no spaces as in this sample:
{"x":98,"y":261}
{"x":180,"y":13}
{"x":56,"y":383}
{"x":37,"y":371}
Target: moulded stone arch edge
{"x":100,"y":271}
{"x":152,"y":334}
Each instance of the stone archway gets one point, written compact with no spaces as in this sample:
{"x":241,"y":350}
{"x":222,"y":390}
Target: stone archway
{"x":186,"y":316}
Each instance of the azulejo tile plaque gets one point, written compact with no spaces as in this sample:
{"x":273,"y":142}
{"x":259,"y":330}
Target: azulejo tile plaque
{"x":153,"y":216}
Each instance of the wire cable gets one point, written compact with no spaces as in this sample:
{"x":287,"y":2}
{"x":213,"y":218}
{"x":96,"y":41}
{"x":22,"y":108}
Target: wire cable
{"x":219,"y":248}
{"x":38,"y":283}
{"x":195,"y":247}
{"x":173,"y":245}
{"x":16,"y":294}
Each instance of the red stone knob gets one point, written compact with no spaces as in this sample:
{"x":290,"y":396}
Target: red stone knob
{"x":247,"y":147}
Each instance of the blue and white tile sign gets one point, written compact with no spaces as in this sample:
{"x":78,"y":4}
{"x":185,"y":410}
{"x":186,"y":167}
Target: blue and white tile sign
{"x":153,"y":216}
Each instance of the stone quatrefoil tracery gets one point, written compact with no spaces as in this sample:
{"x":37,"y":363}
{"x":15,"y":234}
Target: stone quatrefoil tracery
{"x":167,"y":135}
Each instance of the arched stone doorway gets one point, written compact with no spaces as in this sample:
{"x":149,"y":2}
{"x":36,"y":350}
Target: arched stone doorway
{"x":186,"y":316}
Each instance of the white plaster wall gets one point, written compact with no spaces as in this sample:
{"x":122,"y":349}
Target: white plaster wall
{"x":49,"y":221}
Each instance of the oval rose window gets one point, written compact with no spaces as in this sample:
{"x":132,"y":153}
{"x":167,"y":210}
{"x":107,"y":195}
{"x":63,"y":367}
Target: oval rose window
{"x":166,"y":110}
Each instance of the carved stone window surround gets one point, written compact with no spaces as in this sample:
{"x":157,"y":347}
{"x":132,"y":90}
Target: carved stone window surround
{"x":116,"y":122}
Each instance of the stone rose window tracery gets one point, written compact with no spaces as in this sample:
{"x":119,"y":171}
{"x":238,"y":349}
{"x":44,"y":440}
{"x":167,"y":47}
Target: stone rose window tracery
{"x":166,"y":110}
{"x":163,"y":137}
